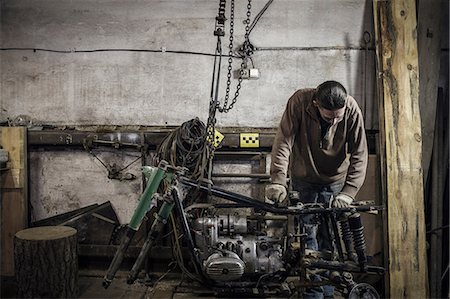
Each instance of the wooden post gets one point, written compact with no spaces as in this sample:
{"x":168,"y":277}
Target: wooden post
{"x":429,"y":43}
{"x":14,"y":193}
{"x":401,"y":147}
{"x":439,"y":163}
{"x":46,"y":261}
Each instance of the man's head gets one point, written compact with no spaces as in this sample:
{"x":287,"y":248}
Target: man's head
{"x":330,"y":99}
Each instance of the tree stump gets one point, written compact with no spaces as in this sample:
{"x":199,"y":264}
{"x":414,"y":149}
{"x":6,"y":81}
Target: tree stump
{"x":46,"y":262}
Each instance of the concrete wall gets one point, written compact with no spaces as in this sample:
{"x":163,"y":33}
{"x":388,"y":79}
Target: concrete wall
{"x":128,"y":88}
{"x":146,"y":88}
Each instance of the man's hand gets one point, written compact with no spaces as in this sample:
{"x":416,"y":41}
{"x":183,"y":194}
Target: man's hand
{"x":276,"y":192}
{"x":341,"y":201}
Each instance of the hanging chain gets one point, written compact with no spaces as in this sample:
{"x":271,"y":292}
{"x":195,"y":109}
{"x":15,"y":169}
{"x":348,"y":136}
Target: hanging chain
{"x":245,"y":49}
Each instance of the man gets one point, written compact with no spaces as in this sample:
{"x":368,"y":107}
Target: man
{"x":321,"y":141}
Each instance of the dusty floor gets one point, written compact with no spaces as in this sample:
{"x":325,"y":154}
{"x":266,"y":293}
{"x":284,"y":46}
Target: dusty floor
{"x":90,"y":286}
{"x":170,"y":286}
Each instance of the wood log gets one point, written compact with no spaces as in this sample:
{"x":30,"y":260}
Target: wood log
{"x":46,"y":262}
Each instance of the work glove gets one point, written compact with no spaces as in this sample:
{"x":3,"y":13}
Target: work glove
{"x":276,"y":192}
{"x":341,"y":201}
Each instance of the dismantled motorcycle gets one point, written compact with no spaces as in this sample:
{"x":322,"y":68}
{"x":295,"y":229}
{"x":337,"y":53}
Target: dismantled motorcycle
{"x":261,"y":254}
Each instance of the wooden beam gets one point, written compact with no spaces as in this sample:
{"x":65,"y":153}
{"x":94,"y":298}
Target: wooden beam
{"x":14,"y":193}
{"x":429,"y":41}
{"x":439,"y":163}
{"x":401,"y":147}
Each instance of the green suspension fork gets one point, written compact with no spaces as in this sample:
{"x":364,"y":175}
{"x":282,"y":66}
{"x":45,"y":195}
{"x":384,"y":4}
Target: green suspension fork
{"x":158,"y":224}
{"x":154,"y":175}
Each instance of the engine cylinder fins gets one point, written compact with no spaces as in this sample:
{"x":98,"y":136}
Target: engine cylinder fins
{"x":223,"y":224}
{"x":224,"y":267}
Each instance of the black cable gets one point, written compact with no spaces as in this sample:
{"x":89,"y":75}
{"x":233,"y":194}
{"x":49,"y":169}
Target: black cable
{"x":185,"y":146}
{"x":259,"y":15}
{"x":112,"y":50}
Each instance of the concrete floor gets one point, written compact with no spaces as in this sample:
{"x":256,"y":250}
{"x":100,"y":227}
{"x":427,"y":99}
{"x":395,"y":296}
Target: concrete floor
{"x":90,"y":287}
{"x":169,"y":287}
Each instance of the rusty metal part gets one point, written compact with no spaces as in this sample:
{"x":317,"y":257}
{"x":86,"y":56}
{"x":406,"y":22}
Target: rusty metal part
{"x":123,"y":139}
{"x":138,"y":139}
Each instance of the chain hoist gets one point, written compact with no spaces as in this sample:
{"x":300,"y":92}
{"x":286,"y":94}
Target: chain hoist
{"x":214,"y":104}
{"x":245,"y":50}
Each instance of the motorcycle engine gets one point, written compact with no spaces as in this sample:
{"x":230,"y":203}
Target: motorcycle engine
{"x":232,"y":246}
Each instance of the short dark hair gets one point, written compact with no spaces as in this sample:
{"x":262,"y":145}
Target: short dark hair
{"x":331,"y":95}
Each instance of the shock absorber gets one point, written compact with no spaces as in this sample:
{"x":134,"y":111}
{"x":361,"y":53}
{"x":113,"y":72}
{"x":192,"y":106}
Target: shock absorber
{"x":357,"y":229}
{"x":347,"y":236}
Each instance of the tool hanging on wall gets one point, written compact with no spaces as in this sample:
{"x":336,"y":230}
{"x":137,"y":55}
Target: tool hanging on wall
{"x":115,"y":171}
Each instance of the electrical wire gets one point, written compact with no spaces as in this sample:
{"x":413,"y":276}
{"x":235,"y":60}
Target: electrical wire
{"x":178,"y":254}
{"x":185,"y":147}
{"x":162,"y":50}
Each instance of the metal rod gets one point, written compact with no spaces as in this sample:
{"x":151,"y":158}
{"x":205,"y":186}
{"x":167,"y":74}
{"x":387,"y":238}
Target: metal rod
{"x":186,"y":232}
{"x":242,"y":199}
{"x":242,"y":175}
{"x":337,"y":236}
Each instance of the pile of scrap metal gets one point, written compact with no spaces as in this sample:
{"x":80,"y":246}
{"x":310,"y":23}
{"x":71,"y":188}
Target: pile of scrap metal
{"x":97,"y":228}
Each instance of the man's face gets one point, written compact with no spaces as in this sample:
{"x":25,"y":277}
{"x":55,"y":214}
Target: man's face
{"x":330,"y":116}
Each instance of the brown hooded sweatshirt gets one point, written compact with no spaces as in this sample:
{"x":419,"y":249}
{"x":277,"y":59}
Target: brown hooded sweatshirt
{"x":339,"y":157}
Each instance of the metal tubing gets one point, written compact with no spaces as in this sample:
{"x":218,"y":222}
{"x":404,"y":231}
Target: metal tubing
{"x":337,"y":236}
{"x":242,"y":199}
{"x":146,"y":197}
{"x":186,"y":232}
{"x":242,"y":175}
{"x":343,"y":267}
{"x":155,"y":178}
{"x":118,"y":257}
{"x":152,"y":235}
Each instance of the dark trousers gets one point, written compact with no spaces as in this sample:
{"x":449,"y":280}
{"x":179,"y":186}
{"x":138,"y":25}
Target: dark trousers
{"x":317,"y":235}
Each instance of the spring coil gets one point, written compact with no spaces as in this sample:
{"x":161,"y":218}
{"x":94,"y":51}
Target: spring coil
{"x":358,"y":238}
{"x":346,"y":236}
{"x":357,"y":230}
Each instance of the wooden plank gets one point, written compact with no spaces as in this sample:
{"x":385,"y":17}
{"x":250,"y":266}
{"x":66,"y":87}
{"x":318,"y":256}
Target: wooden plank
{"x":381,"y":144}
{"x":13,"y":140}
{"x":14,"y":193}
{"x":429,"y":41}
{"x":439,"y":161}
{"x":400,"y":146}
